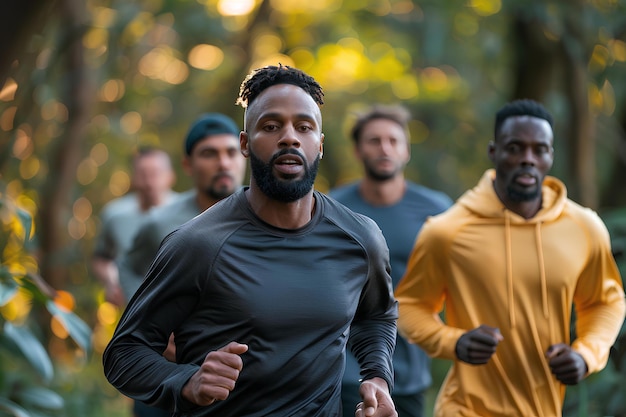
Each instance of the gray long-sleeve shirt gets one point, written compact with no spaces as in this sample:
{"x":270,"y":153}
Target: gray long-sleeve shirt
{"x":290,"y":295}
{"x":152,"y":229}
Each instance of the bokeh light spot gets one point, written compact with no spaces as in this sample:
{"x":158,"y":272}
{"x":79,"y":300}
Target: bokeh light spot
{"x":8,"y":91}
{"x":119,"y":184}
{"x":99,"y":153}
{"x":30,"y":167}
{"x":235,"y":7}
{"x":112,"y":90}
{"x":131,"y":122}
{"x":205,"y":57}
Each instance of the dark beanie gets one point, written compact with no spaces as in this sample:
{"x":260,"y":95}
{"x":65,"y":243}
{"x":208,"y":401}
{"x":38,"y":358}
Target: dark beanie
{"x":209,"y":124}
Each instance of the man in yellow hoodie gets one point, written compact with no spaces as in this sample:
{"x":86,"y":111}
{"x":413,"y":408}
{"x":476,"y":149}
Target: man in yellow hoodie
{"x":508,"y":261}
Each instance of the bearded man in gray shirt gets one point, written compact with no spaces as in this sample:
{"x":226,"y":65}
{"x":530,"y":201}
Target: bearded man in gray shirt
{"x":214,"y":163}
{"x":262,"y":289}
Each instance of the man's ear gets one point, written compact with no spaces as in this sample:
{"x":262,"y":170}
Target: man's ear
{"x":186,"y":163}
{"x":321,"y":146}
{"x":491,"y":151}
{"x":243,"y":144}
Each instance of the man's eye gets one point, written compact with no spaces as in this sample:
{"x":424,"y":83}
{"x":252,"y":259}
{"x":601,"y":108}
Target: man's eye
{"x":513,"y":148}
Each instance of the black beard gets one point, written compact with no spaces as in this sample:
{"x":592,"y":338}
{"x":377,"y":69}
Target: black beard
{"x":379,"y":177}
{"x":520,"y":196}
{"x":286,"y":191}
{"x":218,"y":193}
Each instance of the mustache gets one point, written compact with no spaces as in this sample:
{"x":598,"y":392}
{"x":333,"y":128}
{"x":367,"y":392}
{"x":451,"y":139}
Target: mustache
{"x":526,"y":171}
{"x":289,"y":151}
{"x":223,"y":175}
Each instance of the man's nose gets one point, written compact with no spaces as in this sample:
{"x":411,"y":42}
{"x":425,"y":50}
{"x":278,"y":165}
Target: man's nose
{"x":226,"y":160}
{"x":289,"y":137}
{"x":529,"y":157}
{"x":386,"y":146}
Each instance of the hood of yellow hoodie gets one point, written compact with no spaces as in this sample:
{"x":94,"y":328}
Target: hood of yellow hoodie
{"x":484,"y":202}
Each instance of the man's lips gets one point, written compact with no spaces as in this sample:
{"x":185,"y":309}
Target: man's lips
{"x":384,"y":162}
{"x":289,"y":164}
{"x":288,"y":159}
{"x":526,"y":179}
{"x":223,"y":178}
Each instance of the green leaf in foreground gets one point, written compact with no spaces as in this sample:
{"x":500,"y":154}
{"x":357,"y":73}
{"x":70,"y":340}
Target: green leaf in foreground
{"x":78,"y":329}
{"x":31,"y":348}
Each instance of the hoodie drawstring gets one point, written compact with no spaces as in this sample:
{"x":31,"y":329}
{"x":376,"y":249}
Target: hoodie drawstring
{"x":542,"y":271}
{"x":509,"y":267}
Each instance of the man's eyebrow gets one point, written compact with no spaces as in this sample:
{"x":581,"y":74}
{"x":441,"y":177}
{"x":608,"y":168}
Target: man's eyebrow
{"x":278,"y":115}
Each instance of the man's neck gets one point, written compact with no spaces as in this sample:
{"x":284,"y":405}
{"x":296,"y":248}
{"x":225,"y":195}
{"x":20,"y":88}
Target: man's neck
{"x":525,"y":209}
{"x":203,"y":201}
{"x":382,"y":193}
{"x":283,"y":215}
{"x":146,"y":203}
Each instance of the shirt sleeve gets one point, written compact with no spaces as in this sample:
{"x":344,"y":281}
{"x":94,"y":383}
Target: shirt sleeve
{"x":133,"y":360}
{"x":599,"y":301}
{"x":105,"y":244}
{"x":373,"y":330}
{"x":421,"y":296}
{"x":135,"y":263}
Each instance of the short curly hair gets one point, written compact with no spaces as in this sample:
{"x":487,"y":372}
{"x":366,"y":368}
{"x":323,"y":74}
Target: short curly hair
{"x":262,"y":78}
{"x":521,"y":107}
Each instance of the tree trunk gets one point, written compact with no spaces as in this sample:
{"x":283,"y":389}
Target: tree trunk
{"x":581,"y":131}
{"x":581,"y":134}
{"x":55,"y":210}
{"x":535,"y":62}
{"x":542,"y":64}
{"x":18,"y":21}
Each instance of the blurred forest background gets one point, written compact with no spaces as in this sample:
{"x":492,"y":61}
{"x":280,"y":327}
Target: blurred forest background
{"x":84,"y":83}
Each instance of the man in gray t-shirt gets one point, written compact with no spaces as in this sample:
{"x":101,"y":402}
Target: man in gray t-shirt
{"x":399,"y":207}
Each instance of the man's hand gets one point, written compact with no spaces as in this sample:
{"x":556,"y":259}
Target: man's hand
{"x":478,"y":345}
{"x":170,"y":351}
{"x":113,"y":294}
{"x":377,"y":401}
{"x":108,"y":274}
{"x":217,"y":375}
{"x":567,"y":365}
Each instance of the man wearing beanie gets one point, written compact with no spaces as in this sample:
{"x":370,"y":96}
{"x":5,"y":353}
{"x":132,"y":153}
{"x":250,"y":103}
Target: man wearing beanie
{"x":216,"y":166}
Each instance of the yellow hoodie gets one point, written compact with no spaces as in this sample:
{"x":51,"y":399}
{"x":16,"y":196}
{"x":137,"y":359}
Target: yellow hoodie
{"x":488,"y":265}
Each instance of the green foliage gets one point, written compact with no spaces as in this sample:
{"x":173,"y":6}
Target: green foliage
{"x":26,"y":369}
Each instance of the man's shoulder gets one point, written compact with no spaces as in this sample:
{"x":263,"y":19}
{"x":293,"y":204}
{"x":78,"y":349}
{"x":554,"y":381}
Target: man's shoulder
{"x":161,"y":220}
{"x":421,"y":193}
{"x":183,"y":203}
{"x":127,"y":203}
{"x":222,"y":213}
{"x":446,"y":225}
{"x":347,"y":219}
{"x":345,"y":192}
{"x":586,"y":217}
